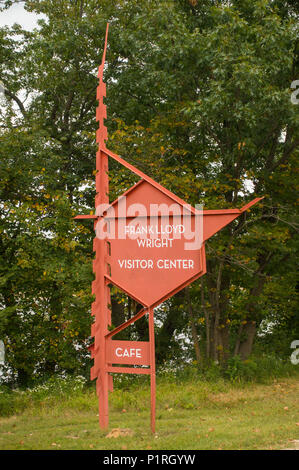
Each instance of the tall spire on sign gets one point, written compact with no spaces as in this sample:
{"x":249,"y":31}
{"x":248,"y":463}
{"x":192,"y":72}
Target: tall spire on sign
{"x":101,"y":113}
{"x":100,"y":306}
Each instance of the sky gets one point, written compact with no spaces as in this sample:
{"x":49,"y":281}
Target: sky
{"x":17,"y":14}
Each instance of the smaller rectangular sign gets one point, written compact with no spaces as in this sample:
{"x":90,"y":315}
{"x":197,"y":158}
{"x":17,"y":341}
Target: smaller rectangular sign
{"x":128,"y":352}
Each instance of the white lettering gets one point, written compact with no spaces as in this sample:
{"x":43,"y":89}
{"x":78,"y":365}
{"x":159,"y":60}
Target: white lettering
{"x":175,"y":263}
{"x":128,"y":352}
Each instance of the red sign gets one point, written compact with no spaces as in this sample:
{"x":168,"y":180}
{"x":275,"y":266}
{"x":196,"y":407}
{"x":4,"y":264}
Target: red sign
{"x":150,"y":244}
{"x":148,"y":259}
{"x":128,"y":352}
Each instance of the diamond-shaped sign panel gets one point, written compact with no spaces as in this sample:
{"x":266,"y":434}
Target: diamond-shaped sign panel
{"x":149,"y":245}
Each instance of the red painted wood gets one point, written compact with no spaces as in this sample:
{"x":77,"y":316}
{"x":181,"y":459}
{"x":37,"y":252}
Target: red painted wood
{"x":86,"y":217}
{"x":110,"y":280}
{"x":100,"y":308}
{"x":150,"y":286}
{"x":124,"y":325}
{"x":128,"y":352}
{"x":152,"y":282}
{"x":163,"y":281}
{"x":128,"y":370}
{"x":153,"y":368}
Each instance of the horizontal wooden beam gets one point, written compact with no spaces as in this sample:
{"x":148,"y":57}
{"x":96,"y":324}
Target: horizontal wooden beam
{"x":128,"y":370}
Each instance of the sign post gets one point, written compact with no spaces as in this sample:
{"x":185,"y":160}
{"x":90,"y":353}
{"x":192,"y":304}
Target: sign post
{"x":150,"y":244}
{"x":153,"y":368}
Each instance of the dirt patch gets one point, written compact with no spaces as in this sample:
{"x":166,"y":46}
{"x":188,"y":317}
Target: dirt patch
{"x":117,"y":432}
{"x":295,"y":445}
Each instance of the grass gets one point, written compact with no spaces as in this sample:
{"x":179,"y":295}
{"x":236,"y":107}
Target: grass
{"x":190,"y":415}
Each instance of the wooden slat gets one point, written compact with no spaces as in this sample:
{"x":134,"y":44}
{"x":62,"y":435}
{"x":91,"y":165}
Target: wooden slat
{"x":128,"y":370}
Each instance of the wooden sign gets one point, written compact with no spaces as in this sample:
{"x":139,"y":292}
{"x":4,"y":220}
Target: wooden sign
{"x":150,"y":244}
{"x":128,"y":352}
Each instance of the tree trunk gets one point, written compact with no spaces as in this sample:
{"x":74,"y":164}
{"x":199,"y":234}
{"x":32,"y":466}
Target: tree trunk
{"x":173,"y":321}
{"x":216,"y":303}
{"x":238,"y":340}
{"x":223,"y":335}
{"x":247,"y":330}
{"x":22,"y":378}
{"x":245,"y":348}
{"x":207,"y":319}
{"x":118,"y":317}
{"x":141,"y":325}
{"x":193,"y":326}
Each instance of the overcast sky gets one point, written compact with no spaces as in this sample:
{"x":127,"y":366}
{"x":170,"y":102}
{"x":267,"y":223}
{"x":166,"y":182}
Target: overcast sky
{"x":17,"y":14}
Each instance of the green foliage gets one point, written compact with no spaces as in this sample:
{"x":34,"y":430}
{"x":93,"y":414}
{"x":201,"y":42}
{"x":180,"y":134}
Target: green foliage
{"x":257,"y":369}
{"x":44,"y":394}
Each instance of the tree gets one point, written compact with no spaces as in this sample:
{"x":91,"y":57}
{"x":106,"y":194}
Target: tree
{"x":222,"y":130}
{"x":198,"y":98}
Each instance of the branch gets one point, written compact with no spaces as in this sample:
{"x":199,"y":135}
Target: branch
{"x":286,"y":154}
{"x":17,"y":100}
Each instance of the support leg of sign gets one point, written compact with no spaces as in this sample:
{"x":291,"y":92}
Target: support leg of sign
{"x":102,"y":295}
{"x":103,"y":378}
{"x":102,"y":383}
{"x":110,"y":378}
{"x":153,"y":368}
